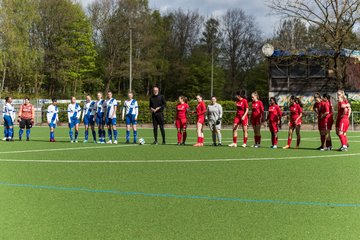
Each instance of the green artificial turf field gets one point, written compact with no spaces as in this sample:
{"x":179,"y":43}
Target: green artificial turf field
{"x":89,"y":191}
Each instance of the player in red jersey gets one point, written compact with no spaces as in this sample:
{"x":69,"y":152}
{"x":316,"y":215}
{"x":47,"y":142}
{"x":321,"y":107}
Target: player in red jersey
{"x":323,"y":116}
{"x":241,"y":118}
{"x":274,"y":120}
{"x":342,"y":121}
{"x":200,"y":111}
{"x":330,"y":121}
{"x":316,"y":108}
{"x":26,"y":118}
{"x":257,"y":117}
{"x":181,"y":120}
{"x":294,"y":121}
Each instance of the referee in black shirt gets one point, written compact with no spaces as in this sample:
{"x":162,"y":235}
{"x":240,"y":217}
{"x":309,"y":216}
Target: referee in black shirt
{"x":157,"y":106}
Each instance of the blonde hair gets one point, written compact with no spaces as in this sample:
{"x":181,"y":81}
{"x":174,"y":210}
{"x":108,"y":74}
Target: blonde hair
{"x":256,"y":94}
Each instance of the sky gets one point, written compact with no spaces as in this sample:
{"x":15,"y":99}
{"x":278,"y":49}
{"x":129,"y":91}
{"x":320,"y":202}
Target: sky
{"x":256,"y":8}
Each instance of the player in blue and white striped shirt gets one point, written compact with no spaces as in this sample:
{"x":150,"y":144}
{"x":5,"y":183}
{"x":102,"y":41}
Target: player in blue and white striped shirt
{"x":52,"y":117}
{"x":100,"y":117}
{"x":111,"y":107}
{"x":74,"y":111}
{"x":88,"y":118}
{"x":9,"y":118}
{"x":130,"y":113}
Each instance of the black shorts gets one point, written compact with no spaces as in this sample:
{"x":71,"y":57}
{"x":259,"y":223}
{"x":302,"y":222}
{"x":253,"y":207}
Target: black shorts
{"x":25,"y":123}
{"x":158,"y":119}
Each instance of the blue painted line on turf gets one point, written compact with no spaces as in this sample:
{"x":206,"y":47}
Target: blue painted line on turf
{"x":165,"y":195}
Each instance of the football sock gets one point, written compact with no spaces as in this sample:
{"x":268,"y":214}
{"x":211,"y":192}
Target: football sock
{"x":235,"y":140}
{"x":27,"y":133}
{"x":86,"y":135}
{"x":21,"y":131}
{"x":10,"y":133}
{"x":199,"y":140}
{"x":52,"y":135}
{"x":276,"y":140}
{"x":94,"y":135}
{"x":110,"y":134}
{"x":214,"y":137}
{"x":76,"y":134}
{"x":245,"y":140}
{"x":219,"y":136}
{"x":259,"y":139}
{"x":272,"y":139}
{"x":135,"y":136}
{"x":323,"y":137}
{"x":156,"y":134}
{"x":289,"y":141}
{"x":128,"y":135}
{"x":115,"y":134}
{"x":71,"y":134}
{"x":184,"y":136}
{"x":179,"y":135}
{"x":298,"y":141}
{"x":162,"y":130}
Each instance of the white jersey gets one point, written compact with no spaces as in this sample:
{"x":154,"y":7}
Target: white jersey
{"x":110,"y":108}
{"x":74,"y":111}
{"x":89,"y":109}
{"x":100,"y":107}
{"x":214,"y":112}
{"x":131,"y":107}
{"x":52,"y":114}
{"x":9,"y":110}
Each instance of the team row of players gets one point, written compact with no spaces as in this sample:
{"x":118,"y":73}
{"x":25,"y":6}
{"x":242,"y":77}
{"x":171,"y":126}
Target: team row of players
{"x":103,"y":112}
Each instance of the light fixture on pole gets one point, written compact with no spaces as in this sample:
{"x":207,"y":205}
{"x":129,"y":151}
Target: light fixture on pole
{"x":268,"y":50}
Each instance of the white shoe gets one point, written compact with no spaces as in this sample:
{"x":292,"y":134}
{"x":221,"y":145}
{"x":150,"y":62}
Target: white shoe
{"x":233,"y":145}
{"x":257,"y":146}
{"x":109,"y":142}
{"x":76,"y":141}
{"x":274,"y":147}
{"x":85,"y":141}
{"x":71,"y":141}
{"x":4,"y":139}
{"x":244,"y":145}
{"x":115,"y":142}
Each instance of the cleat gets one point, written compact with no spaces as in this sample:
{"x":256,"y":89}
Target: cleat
{"x":76,"y":141}
{"x":286,"y":147}
{"x":244,"y":145}
{"x":115,"y":142}
{"x":214,"y":144}
{"x":179,"y":144}
{"x":274,"y":147}
{"x":198,"y":145}
{"x":343,"y":149}
{"x":219,"y":144}
{"x":183,"y":144}
{"x":27,"y":139}
{"x":257,"y":146}
{"x":233,"y":145}
{"x":109,"y":142}
{"x":71,"y":141}
{"x":163,"y":143}
{"x":155,"y":143}
{"x":323,"y":149}
{"x":4,"y":139}
{"x":127,"y":142}
{"x":85,"y":141}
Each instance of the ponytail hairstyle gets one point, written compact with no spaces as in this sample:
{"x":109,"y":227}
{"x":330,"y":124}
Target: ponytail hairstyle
{"x":298,"y":101}
{"x":7,"y":99}
{"x":273,"y":99}
{"x":317,"y":95}
{"x":293,"y":98}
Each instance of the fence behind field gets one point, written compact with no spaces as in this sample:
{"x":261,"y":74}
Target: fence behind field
{"x":309,"y":117}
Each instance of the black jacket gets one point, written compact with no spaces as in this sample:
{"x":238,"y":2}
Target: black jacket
{"x":157,"y":101}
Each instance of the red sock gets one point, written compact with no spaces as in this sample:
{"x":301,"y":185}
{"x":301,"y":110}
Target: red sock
{"x":235,"y":140}
{"x":202,"y":140}
{"x":179,"y":137}
{"x":342,"y":140}
{"x":323,"y":137}
{"x":298,"y":141}
{"x":289,"y":141}
{"x":199,"y":140}
{"x":184,"y":136}
{"x":245,"y":140}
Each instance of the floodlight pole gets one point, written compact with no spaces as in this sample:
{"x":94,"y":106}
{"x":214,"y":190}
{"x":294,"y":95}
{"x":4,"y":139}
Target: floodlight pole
{"x":212,"y":70}
{"x":130,"y":70}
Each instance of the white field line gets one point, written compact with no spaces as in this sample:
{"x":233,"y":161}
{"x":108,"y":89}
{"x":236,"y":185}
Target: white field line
{"x":182,"y":160}
{"x":66,"y":149}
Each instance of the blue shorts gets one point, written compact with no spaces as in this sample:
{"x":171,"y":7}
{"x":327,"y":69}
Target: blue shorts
{"x":130,"y":119}
{"x":110,"y":121}
{"x":8,"y":122}
{"x":89,"y":120}
{"x":52,"y":125}
{"x":73,"y":122}
{"x":100,"y":120}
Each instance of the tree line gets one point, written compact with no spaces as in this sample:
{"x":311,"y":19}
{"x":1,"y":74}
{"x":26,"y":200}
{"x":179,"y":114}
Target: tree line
{"x":58,"y":48}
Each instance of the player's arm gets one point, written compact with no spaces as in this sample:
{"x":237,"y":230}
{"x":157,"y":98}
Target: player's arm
{"x":327,"y":112}
{"x":220,"y":115}
{"x":123,"y":111}
{"x":300,"y":113}
{"x":69,"y":113}
{"x":245,"y":113}
{"x":136,"y":110}
{"x":20,"y":113}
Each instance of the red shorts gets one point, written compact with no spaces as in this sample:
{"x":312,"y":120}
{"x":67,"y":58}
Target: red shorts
{"x":273,"y":126}
{"x":323,"y":125}
{"x":255,"y":121}
{"x":181,"y":123}
{"x":343,"y":124}
{"x":201,"y":119}
{"x":239,"y":121}
{"x":294,"y":124}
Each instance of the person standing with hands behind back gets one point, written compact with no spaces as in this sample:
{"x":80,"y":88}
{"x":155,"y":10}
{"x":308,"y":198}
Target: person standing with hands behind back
{"x":157,"y":105}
